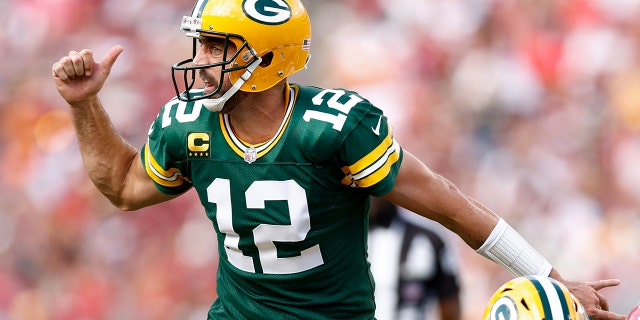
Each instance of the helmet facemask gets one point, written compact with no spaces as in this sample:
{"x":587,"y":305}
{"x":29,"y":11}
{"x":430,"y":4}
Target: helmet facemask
{"x":274,"y":33}
{"x":185,"y":86}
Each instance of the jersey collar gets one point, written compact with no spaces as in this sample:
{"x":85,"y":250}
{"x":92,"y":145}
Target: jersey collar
{"x":241,"y":148}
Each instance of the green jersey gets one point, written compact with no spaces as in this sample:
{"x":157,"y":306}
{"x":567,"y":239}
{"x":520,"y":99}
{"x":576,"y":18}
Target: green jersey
{"x":291,"y":214}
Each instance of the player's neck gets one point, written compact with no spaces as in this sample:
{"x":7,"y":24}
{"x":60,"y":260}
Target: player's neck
{"x":259,"y":116}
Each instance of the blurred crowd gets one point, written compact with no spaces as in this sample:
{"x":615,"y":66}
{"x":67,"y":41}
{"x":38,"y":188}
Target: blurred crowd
{"x":530,"y":106}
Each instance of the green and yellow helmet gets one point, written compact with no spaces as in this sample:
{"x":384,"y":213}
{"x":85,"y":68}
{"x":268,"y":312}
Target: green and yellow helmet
{"x":277,"y":32}
{"x":534,"y":298}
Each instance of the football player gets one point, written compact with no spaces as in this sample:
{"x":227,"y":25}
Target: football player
{"x":284,"y":171}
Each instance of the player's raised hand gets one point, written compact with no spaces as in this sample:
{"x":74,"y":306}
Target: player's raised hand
{"x":78,"y":77}
{"x":593,"y":302}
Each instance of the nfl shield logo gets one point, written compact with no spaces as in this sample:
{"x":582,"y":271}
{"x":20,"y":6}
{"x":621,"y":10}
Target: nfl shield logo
{"x":250,"y":155}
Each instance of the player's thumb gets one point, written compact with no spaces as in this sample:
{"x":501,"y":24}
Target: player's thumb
{"x":110,"y":58}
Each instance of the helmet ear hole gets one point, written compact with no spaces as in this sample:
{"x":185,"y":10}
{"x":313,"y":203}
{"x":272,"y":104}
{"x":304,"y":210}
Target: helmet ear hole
{"x":266,"y":59}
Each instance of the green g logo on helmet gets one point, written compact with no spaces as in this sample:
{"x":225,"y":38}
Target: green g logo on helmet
{"x":267,"y":11}
{"x":504,"y":309}
{"x":257,"y":29}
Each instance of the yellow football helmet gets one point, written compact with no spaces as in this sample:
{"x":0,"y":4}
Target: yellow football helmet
{"x":534,"y":298}
{"x":272,"y":37}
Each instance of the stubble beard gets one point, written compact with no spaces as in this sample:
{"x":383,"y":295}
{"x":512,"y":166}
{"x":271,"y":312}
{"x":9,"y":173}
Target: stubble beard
{"x":233,"y":101}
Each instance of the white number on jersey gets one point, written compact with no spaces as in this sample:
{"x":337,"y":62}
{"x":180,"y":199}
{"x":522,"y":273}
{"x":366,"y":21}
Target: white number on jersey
{"x":219,"y":192}
{"x":344,"y":108}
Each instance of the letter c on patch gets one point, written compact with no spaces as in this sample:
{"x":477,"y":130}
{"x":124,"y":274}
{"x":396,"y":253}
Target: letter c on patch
{"x":198,"y":142}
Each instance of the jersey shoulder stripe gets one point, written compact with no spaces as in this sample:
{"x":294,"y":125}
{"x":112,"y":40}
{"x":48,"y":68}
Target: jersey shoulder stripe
{"x":356,"y":131}
{"x":374,"y":166}
{"x":164,"y":155}
{"x":166,"y":178}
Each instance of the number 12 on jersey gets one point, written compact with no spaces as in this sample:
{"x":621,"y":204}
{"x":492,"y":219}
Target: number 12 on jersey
{"x":344,"y":108}
{"x":265,"y":235}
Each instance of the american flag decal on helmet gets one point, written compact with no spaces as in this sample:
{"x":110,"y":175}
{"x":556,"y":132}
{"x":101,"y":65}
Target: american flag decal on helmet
{"x":306,"y":44}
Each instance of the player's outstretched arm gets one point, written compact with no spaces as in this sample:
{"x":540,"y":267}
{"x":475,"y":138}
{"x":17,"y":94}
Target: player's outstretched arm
{"x":420,"y":190}
{"x":113,"y":165}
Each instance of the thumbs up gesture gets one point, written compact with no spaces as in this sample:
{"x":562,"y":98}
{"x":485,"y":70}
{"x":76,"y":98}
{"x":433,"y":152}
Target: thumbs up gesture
{"x":79,"y":78}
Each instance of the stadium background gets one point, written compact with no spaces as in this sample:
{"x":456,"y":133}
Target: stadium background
{"x":533,"y":107}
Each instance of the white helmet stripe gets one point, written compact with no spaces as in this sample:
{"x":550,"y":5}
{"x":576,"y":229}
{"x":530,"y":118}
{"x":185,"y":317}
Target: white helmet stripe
{"x":197,"y":9}
{"x":554,"y":297}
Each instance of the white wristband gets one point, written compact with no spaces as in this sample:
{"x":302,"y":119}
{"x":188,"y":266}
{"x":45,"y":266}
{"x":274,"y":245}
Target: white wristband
{"x":508,"y":249}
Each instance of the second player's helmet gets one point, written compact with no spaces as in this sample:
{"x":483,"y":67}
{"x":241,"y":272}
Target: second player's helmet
{"x":534,"y":298}
{"x":272,"y":37}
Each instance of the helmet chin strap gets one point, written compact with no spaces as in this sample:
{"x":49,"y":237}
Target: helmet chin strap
{"x":215,"y":105}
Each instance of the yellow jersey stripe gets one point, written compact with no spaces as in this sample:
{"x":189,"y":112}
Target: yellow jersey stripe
{"x":380,"y":169}
{"x":374,"y":155}
{"x":167,"y":178}
{"x":238,"y":146}
{"x":225,"y":134}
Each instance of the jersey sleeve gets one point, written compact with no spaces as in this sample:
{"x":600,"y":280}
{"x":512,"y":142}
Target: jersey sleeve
{"x":164,"y":163}
{"x":370,"y":154}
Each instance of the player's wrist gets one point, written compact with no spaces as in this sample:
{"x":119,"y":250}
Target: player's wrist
{"x":508,"y":249}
